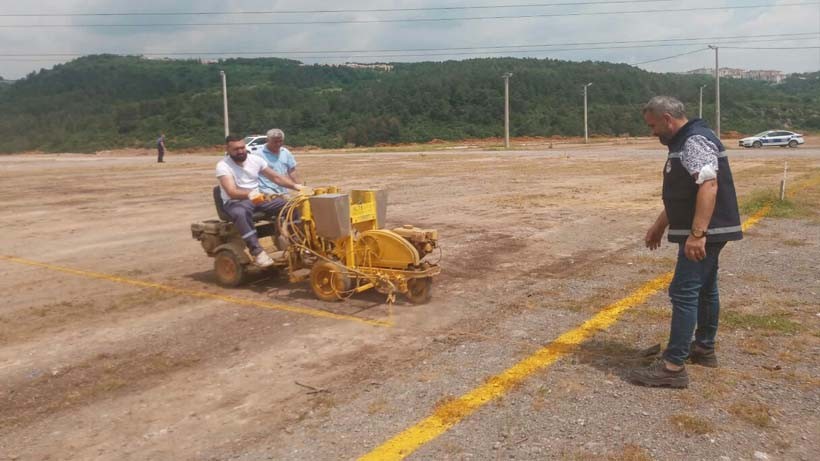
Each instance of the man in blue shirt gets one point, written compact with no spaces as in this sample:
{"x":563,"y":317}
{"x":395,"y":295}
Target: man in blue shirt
{"x":280,"y":160}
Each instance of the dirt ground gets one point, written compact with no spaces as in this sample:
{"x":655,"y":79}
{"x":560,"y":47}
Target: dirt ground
{"x":535,"y":241}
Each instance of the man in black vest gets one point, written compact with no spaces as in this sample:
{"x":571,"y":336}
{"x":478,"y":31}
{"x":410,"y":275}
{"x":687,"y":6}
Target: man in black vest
{"x":700,"y":210}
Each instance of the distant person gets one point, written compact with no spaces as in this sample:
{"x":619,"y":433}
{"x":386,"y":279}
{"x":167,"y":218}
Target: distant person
{"x":700,"y":210}
{"x":238,"y":175}
{"x":279,"y":158}
{"x":161,"y":148}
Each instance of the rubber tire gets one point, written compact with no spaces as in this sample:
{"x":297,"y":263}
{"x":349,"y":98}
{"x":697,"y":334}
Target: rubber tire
{"x":792,"y":143}
{"x":757,"y":144}
{"x":420,"y":290}
{"x":329,"y":281}
{"x":230,"y":272}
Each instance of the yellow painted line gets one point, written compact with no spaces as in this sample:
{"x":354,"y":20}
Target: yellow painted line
{"x":198,"y":293}
{"x":757,"y":216}
{"x":451,"y":413}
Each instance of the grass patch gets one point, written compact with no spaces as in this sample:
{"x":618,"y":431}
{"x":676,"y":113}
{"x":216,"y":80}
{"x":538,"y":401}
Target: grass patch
{"x":692,"y":425}
{"x":780,"y":208}
{"x":778,"y":322}
{"x":801,"y":199}
{"x":754,"y":346}
{"x":795,"y":243}
{"x":755,"y":413}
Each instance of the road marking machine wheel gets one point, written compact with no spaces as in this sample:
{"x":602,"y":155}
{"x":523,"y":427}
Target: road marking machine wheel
{"x":330,"y":281}
{"x":420,"y":290}
{"x":229,"y":271}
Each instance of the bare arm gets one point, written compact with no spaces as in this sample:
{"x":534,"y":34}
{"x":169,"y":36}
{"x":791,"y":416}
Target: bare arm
{"x":695,"y":249}
{"x":656,"y":230}
{"x":284,"y":181}
{"x":294,"y":176}
{"x":229,"y":186}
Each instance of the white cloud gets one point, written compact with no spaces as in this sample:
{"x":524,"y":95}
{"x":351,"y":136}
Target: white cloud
{"x":380,"y":36}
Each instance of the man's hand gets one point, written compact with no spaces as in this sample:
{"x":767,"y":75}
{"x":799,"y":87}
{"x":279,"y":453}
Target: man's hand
{"x":654,"y":236}
{"x":695,"y":249}
{"x":256,"y":197}
{"x":303,"y":190}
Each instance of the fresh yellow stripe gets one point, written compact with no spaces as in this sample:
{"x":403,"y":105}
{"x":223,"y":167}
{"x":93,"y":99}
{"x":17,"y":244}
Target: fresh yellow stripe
{"x":199,"y":294}
{"x":451,"y":413}
{"x":447,"y":415}
{"x":757,"y":216}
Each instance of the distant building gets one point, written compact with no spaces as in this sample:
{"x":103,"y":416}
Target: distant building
{"x":374,"y":66}
{"x":771,"y":76}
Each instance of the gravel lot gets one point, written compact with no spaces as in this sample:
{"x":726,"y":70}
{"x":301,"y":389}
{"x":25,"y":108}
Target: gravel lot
{"x":534,"y":243}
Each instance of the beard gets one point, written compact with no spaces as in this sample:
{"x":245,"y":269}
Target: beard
{"x":239,"y":158}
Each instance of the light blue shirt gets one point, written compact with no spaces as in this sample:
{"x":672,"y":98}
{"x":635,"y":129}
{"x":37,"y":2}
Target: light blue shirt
{"x":281,"y":163}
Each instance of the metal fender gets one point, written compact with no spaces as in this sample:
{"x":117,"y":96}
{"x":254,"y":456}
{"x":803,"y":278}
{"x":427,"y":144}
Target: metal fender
{"x":384,"y":248}
{"x":237,"y":248}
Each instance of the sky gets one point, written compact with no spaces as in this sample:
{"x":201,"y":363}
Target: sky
{"x":567,"y":31}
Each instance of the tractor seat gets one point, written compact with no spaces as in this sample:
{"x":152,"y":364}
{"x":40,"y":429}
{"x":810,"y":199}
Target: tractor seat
{"x":223,"y":215}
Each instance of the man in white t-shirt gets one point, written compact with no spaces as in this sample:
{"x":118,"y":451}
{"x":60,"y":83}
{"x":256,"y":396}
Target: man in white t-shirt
{"x":238,"y":176}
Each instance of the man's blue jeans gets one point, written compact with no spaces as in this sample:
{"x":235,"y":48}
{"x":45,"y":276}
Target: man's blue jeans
{"x":695,"y":302}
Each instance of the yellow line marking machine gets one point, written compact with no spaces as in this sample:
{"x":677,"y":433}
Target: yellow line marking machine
{"x":335,"y":240}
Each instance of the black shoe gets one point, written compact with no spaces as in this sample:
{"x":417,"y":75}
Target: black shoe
{"x":657,"y":375}
{"x":701,"y":356}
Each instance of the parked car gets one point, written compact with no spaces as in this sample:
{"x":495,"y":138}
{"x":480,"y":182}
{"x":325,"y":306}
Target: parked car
{"x":255,"y":143}
{"x":773,"y":138}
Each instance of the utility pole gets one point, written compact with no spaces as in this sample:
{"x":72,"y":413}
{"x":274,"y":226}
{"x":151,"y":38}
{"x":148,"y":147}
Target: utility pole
{"x":507,"y":109}
{"x":717,"y":91}
{"x":225,"y":101}
{"x":700,"y":106}
{"x":586,"y":129}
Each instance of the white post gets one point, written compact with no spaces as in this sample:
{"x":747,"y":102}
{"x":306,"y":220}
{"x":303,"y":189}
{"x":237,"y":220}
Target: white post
{"x":507,"y":109}
{"x":717,"y":91}
{"x":225,"y":101}
{"x":586,"y":128}
{"x":783,"y":181}
{"x":700,"y":106}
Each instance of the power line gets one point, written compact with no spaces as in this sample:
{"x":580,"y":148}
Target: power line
{"x":580,"y":46}
{"x":670,"y":57}
{"x":406,"y":20}
{"x":381,"y":56}
{"x":660,"y":43}
{"x":773,"y":48}
{"x":370,"y":10}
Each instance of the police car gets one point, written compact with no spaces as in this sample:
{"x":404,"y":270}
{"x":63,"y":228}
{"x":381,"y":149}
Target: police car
{"x":255,"y":143}
{"x":773,"y":138}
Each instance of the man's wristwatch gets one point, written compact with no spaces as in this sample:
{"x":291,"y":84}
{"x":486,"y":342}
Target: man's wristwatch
{"x":698,"y":233}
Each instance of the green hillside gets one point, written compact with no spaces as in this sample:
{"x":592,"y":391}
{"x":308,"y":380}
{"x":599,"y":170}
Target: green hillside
{"x":103,"y":102}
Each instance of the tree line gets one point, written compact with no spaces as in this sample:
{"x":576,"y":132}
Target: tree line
{"x":106,"y":101}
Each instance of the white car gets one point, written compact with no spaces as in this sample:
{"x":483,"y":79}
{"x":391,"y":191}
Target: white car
{"x":255,"y":143}
{"x":773,"y":138}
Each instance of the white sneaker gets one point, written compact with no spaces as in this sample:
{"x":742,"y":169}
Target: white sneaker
{"x":263,"y":260}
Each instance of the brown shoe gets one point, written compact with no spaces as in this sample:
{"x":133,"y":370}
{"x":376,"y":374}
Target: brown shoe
{"x":657,"y":375}
{"x":702,"y":356}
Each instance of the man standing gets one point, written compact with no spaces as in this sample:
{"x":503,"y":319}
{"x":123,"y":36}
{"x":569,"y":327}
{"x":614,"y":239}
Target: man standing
{"x":700,"y":210}
{"x":161,"y":148}
{"x":238,"y":175}
{"x":279,"y":159}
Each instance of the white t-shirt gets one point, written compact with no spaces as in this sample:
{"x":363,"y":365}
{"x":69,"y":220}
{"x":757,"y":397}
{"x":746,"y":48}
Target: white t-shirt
{"x":245,"y":176}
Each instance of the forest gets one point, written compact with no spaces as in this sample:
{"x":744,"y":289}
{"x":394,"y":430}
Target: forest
{"x":106,"y":102}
